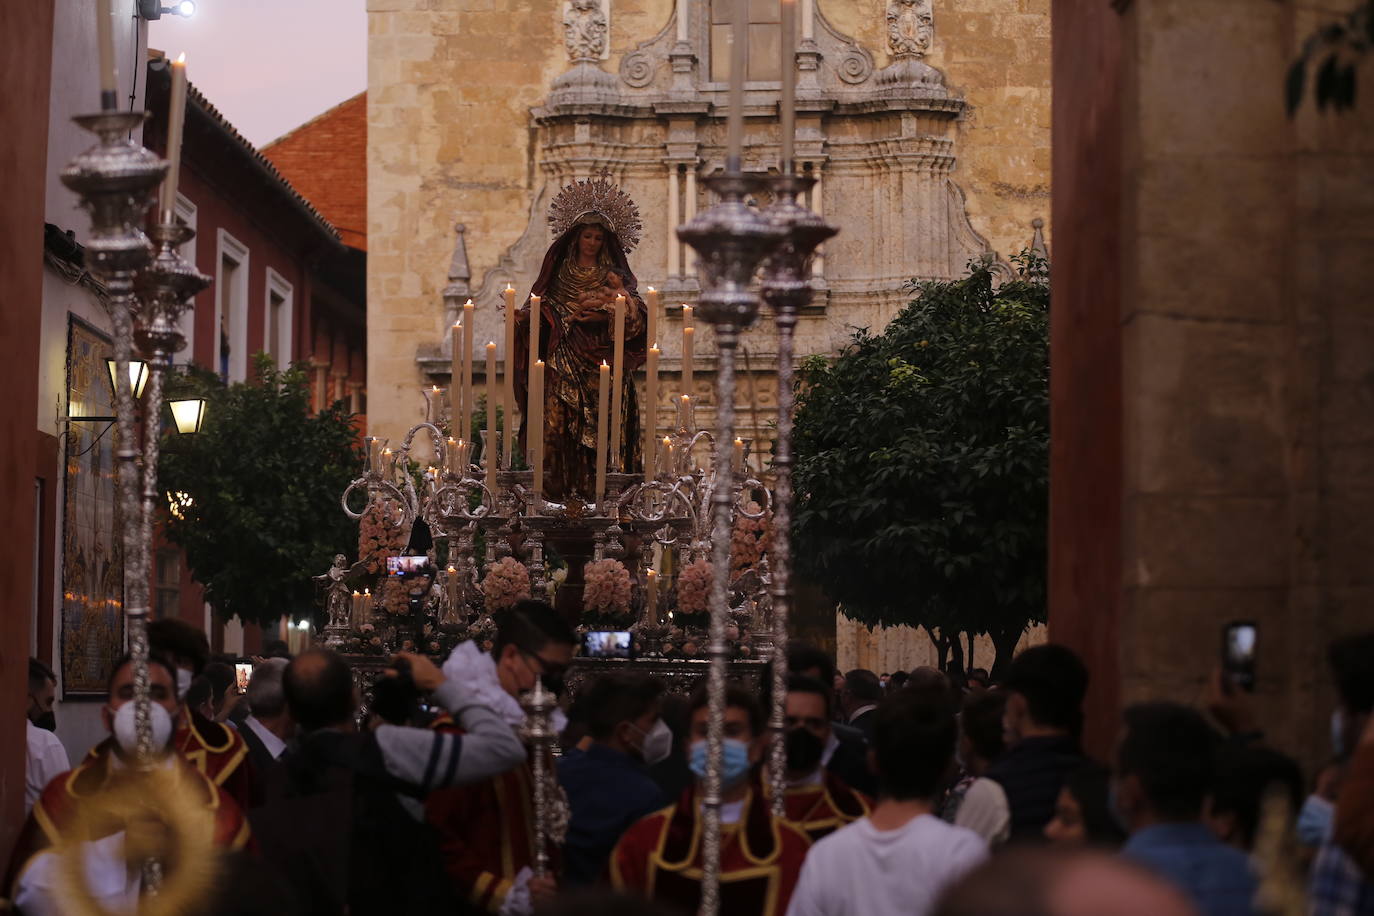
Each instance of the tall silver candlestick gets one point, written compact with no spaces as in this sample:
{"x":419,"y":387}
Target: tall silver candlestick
{"x":786,"y":289}
{"x":539,"y":705}
{"x":730,"y":239}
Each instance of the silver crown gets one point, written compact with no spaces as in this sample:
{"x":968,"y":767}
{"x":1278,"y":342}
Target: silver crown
{"x":596,"y":200}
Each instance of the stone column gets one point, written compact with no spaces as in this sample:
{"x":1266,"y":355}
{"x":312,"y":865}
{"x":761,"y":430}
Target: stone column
{"x":674,"y":246}
{"x":691,"y":210}
{"x":682,"y":20}
{"x":808,"y":20}
{"x":817,"y":204}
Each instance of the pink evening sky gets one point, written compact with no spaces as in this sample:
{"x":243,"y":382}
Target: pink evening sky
{"x":270,"y":65}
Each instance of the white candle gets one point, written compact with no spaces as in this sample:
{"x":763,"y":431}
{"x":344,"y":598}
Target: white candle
{"x":684,"y":413}
{"x":651,"y":330}
{"x":737,"y":463}
{"x":455,"y":385}
{"x":652,"y":597}
{"x":537,"y":430}
{"x":618,"y":386}
{"x":508,"y":386}
{"x":688,"y":358}
{"x":491,"y":450}
{"x":451,"y":455}
{"x":535,"y":316}
{"x":789,"y":83}
{"x":665,"y":458}
{"x":739,"y":37}
{"x":650,"y":410}
{"x":469,"y":330}
{"x":104,"y":31}
{"x":176,"y":119}
{"x":603,"y":401}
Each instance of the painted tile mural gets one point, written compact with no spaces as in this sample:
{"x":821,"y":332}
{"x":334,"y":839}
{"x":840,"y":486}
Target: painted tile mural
{"x":92,"y":579}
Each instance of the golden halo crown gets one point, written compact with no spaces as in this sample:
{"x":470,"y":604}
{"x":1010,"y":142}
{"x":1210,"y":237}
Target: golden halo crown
{"x":596,"y":200}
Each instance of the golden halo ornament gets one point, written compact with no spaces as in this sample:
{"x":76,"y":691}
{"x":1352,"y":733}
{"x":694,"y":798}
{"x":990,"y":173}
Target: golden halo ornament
{"x":596,"y":200}
{"x":162,"y":794}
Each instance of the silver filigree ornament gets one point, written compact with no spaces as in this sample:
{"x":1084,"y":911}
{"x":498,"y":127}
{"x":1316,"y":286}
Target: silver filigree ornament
{"x":597,"y":201}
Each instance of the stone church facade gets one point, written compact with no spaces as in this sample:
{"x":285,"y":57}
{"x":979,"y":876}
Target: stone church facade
{"x":925,"y":122}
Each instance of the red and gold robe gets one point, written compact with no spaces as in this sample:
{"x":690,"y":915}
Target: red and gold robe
{"x":486,"y":831}
{"x":820,"y":809}
{"x":760,"y":859}
{"x":219,"y":752}
{"x":62,"y":798}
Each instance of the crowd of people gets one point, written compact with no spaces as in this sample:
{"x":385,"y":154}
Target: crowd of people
{"x":923,"y":793}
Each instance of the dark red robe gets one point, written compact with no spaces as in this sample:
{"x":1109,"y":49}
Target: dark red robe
{"x":821,"y":809}
{"x":761,"y":858}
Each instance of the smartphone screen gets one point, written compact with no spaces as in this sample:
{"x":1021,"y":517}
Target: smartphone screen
{"x":406,"y":566}
{"x":243,"y":672}
{"x":608,"y":644}
{"x":1239,"y":644}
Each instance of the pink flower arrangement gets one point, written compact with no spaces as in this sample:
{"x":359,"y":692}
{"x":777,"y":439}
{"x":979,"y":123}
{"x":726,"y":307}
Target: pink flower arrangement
{"x":507,"y":582}
{"x":748,"y":540}
{"x":607,"y":587}
{"x":693,"y":587}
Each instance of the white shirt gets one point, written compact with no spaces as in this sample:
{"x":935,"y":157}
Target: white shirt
{"x":985,"y":811}
{"x":861,"y":871}
{"x":38,"y":891}
{"x":274,"y":745}
{"x":47,"y":759}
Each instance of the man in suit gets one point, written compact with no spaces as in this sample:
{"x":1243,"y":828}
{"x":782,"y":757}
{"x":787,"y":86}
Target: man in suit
{"x":269,"y":726}
{"x":859,"y":698}
{"x":846,"y":749}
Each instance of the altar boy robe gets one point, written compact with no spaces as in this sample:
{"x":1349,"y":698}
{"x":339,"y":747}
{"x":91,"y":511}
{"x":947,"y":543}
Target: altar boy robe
{"x":760,"y":861}
{"x":819,"y":809}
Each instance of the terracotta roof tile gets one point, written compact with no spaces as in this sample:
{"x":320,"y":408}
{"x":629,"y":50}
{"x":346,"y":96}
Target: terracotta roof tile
{"x":326,"y":158}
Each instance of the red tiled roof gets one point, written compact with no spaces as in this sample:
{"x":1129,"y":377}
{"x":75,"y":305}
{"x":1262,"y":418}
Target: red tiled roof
{"x":326,"y":159}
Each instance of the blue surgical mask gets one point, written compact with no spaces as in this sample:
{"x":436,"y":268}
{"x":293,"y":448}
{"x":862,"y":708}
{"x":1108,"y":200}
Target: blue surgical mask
{"x":1314,"y":820}
{"x":736,"y":762}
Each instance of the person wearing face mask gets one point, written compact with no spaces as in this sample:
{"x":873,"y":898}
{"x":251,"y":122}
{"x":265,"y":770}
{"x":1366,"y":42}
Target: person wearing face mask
{"x":35,"y":878}
{"x":216,"y":749}
{"x":608,"y":785}
{"x":760,"y":856}
{"x":46,"y":755}
{"x":485,"y":829}
{"x":817,"y":801}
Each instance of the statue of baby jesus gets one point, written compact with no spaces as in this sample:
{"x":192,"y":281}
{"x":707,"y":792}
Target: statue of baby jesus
{"x":596,"y":304}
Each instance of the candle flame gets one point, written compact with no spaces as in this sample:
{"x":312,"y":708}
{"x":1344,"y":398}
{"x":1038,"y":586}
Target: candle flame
{"x":509,"y":288}
{"x":181,"y":58}
{"x":603,"y":365}
{"x":457,"y":325}
{"x":451,"y":441}
{"x":491,"y":344}
{"x":467,"y":304}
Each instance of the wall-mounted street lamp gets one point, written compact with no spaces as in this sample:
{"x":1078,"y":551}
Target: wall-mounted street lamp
{"x":138,"y":376}
{"x":188,"y":414}
{"x":153,"y":9}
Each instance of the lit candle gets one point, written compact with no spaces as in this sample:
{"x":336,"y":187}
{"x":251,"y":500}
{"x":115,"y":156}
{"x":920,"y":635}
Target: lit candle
{"x":508,"y":386}
{"x":684,"y":413}
{"x":104,"y":31}
{"x":451,"y":581}
{"x":388,"y":463}
{"x":738,"y":462}
{"x":356,"y":618}
{"x":652,"y":596}
{"x":469,"y":329}
{"x":491,"y":449}
{"x":688,"y":359}
{"x":451,"y":455}
{"x":617,"y":385}
{"x":650,"y":410}
{"x":651,"y":330}
{"x":665,"y":459}
{"x":176,"y":118}
{"x":455,"y":386}
{"x":603,"y":392}
{"x":537,"y":428}
{"x":739,"y":37}
{"x":789,"y":83}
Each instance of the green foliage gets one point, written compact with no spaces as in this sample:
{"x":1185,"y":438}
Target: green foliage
{"x":265,"y":476}
{"x":1344,"y":43}
{"x":923,"y":461}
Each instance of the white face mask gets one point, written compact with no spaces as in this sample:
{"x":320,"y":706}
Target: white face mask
{"x":183,"y":682}
{"x":126,"y":736}
{"x":658,"y":743}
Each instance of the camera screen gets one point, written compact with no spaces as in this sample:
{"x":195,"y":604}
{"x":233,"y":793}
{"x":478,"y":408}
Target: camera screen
{"x":243,"y":673}
{"x":406,"y":566}
{"x":608,"y":644}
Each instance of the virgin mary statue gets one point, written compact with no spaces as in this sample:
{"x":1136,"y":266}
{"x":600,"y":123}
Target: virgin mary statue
{"x":594,"y":223}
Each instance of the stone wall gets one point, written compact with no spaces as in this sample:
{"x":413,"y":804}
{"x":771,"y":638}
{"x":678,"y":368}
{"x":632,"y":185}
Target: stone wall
{"x":1245,"y":345}
{"x":451,"y":140}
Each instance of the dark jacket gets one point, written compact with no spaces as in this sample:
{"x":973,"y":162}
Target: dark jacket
{"x":1031,"y":774}
{"x":850,"y":760}
{"x":607,"y":792}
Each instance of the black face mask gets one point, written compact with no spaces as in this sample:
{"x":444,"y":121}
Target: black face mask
{"x":47,"y":720}
{"x":804,"y":750}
